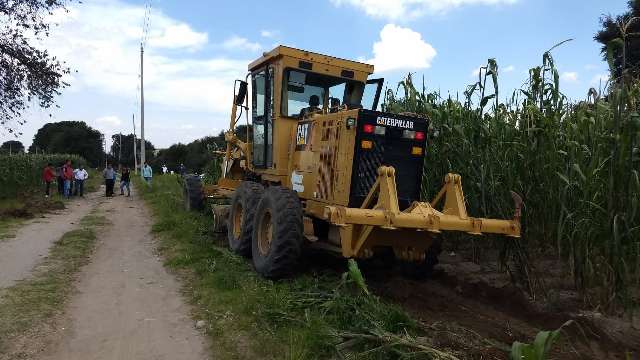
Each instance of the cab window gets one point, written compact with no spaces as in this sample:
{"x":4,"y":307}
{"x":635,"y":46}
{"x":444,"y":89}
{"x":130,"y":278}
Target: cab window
{"x":307,"y":91}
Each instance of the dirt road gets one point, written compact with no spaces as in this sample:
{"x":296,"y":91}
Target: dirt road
{"x":19,"y":255}
{"x":127,"y":305}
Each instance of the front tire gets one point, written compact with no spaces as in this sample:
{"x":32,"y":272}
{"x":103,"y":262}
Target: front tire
{"x":277,"y":233}
{"x":242,"y":217}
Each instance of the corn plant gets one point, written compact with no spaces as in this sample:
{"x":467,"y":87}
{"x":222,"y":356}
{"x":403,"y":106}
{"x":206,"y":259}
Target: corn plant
{"x":539,"y":349}
{"x":23,"y":172}
{"x":576,"y":165}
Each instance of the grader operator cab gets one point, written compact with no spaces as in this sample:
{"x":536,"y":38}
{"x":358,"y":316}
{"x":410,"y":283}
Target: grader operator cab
{"x":321,"y":167}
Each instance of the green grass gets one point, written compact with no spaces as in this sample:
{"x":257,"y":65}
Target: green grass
{"x":31,"y":302}
{"x":308,"y":317}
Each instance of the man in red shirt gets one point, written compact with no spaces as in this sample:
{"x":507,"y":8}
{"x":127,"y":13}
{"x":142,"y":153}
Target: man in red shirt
{"x":48,"y":175}
{"x":67,"y":175}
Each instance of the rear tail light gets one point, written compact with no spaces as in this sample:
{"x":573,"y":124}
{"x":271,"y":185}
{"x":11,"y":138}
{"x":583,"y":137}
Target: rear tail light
{"x":416,"y":150}
{"x":419,"y":135}
{"x":380,"y":130}
{"x":366,"y":144}
{"x":408,"y":134}
{"x":368,"y":128}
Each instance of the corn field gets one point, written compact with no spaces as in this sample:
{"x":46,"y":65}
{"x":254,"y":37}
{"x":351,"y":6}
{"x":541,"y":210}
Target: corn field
{"x":23,"y":172}
{"x":576,"y":165}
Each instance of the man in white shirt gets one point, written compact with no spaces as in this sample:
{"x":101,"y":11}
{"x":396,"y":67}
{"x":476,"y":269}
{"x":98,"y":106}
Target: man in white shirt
{"x":80,"y":175}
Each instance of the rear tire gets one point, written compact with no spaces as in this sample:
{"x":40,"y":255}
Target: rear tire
{"x":424,"y":269}
{"x":193,"y":193}
{"x":277,"y":233}
{"x":242,"y":217}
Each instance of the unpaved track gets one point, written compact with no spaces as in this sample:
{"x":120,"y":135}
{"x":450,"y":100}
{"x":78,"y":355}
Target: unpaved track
{"x":19,"y":255}
{"x":127,"y":305}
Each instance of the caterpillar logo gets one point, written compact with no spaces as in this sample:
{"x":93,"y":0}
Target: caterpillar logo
{"x":303,"y":136}
{"x":405,"y":124}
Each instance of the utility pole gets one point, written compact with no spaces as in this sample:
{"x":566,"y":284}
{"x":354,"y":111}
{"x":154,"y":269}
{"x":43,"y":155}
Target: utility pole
{"x":135,"y":157}
{"x":142,"y":141}
{"x":104,"y":149}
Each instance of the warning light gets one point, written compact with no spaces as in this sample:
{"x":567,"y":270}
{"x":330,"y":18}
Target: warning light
{"x":368,"y":128}
{"x":366,"y":144}
{"x":416,"y":150}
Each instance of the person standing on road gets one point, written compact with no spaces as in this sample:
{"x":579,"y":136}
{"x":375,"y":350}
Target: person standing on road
{"x":67,"y":175}
{"x":81,"y":175}
{"x":164,"y":169}
{"x":125,"y":180}
{"x":48,"y":175}
{"x":109,"y":175}
{"x":60,"y":179}
{"x":182,"y":169}
{"x":147,"y":173}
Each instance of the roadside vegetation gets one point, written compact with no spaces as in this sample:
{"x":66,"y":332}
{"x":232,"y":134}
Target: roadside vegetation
{"x":316,"y":315}
{"x":27,"y":306}
{"x":22,"y":190}
{"x":576,"y":165}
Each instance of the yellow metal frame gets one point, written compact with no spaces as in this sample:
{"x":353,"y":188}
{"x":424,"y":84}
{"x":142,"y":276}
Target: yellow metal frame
{"x":359,"y":227}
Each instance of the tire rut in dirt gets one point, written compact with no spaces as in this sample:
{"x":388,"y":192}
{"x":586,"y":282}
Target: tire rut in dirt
{"x":193,"y":193}
{"x":279,"y":212}
{"x":242,"y":217}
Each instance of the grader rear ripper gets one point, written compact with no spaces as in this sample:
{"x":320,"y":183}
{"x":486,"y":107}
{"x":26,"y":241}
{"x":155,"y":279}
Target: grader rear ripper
{"x":322,"y":168}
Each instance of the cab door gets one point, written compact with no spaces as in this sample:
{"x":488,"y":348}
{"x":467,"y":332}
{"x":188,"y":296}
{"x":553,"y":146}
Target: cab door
{"x":262,"y":117}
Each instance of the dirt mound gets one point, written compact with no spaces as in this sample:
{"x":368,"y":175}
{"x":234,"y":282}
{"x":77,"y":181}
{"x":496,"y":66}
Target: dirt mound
{"x":30,"y":207}
{"x":476,"y":311}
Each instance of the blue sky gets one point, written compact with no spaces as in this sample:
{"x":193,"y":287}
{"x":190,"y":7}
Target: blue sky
{"x":195,"y":49}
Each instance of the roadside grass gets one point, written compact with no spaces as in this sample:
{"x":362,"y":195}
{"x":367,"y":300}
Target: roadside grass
{"x":32,"y":301}
{"x":312,"y":316}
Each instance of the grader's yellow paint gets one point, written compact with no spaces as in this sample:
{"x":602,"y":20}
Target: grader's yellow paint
{"x":318,"y":167}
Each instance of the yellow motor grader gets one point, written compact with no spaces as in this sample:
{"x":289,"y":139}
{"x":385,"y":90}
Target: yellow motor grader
{"x":320,"y":167}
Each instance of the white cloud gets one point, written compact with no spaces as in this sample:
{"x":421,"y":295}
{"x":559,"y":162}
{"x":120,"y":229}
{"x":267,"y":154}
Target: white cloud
{"x":110,"y":121}
{"x":509,"y":69}
{"x":175,"y":36}
{"x":401,"y":48}
{"x":569,"y":76}
{"x":269,"y":33}
{"x":599,"y":79}
{"x":101,"y":41}
{"x":411,"y":9}
{"x":240,"y":43}
{"x":475,"y":72}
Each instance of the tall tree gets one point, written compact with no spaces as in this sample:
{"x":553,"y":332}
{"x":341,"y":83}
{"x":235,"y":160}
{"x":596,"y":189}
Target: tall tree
{"x":12,"y":147}
{"x":70,"y":137}
{"x":27,"y":72}
{"x":620,"y":39}
{"x":126,"y":157}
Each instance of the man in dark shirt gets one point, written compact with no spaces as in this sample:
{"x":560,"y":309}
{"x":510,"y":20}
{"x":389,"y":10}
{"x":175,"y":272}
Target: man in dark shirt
{"x":125,"y":180}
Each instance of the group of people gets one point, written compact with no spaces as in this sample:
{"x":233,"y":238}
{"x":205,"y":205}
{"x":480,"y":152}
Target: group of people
{"x":110,"y":176}
{"x":70,"y":181}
